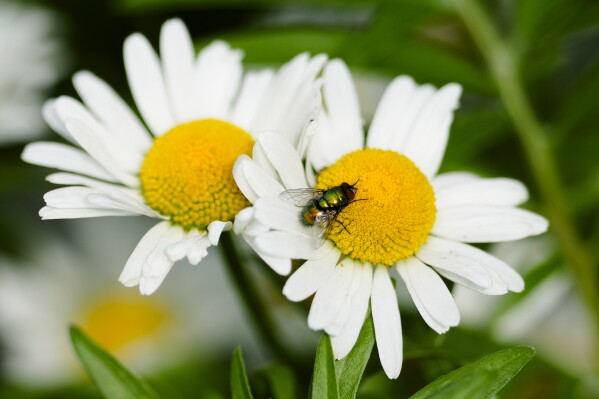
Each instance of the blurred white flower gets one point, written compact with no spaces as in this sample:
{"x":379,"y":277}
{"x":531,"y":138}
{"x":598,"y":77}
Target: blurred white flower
{"x":551,"y":316}
{"x":73,"y":283}
{"x":33,"y":58}
{"x":201,"y":112}
{"x":390,"y":211}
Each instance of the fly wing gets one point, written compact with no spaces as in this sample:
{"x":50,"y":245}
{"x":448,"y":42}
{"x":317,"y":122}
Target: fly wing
{"x":322,"y":227}
{"x":300,"y":196}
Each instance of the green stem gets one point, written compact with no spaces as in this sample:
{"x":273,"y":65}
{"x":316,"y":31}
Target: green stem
{"x":532,"y":134}
{"x":256,"y":308}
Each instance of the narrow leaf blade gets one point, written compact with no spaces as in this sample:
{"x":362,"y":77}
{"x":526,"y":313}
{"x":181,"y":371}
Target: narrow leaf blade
{"x":324,"y":380}
{"x":351,"y":369}
{"x":240,"y":386}
{"x":112,"y":379}
{"x":505,"y":364}
{"x":469,"y":386}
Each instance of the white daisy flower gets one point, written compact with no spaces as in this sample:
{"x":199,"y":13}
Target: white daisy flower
{"x":551,"y":317}
{"x":404,"y":216}
{"x":63,"y":283}
{"x":202,"y":113}
{"x":30,"y":64}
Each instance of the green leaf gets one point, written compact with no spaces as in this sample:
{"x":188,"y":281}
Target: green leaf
{"x":240,"y":386}
{"x":112,"y":379}
{"x":281,"y":381}
{"x":470,"y":386}
{"x":351,"y":369}
{"x":324,"y":381}
{"x":505,"y":364}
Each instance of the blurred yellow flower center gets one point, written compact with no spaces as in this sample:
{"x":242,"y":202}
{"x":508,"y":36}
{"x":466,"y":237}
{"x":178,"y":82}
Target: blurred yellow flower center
{"x":187,"y":174}
{"x":398,"y":213}
{"x":119,"y":321}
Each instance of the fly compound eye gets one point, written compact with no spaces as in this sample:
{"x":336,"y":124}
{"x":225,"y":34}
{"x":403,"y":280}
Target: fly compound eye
{"x":350,"y":191}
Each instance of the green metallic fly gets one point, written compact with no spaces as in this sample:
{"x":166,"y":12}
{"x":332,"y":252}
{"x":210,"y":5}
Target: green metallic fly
{"x":320,"y":208}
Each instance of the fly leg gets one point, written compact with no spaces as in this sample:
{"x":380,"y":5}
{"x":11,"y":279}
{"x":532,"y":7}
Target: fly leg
{"x":341,"y":223}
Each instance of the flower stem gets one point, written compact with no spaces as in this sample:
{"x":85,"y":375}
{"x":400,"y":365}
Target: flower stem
{"x":533,"y":136}
{"x":257,"y":310}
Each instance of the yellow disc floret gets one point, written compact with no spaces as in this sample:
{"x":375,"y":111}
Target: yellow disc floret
{"x":397,"y":214}
{"x":187,"y":174}
{"x":118,"y":321}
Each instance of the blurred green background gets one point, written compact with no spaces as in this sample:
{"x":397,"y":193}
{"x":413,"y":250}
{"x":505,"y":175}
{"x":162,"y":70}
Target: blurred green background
{"x":529,"y":111}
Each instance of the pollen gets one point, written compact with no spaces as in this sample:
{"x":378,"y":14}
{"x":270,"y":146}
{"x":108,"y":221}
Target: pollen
{"x":187,"y":174}
{"x":392,"y":213}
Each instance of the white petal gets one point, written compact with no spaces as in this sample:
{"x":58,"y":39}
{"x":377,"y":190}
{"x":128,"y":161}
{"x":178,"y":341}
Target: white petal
{"x":260,"y":158}
{"x":286,"y":245}
{"x":462,"y":263}
{"x":396,"y":113}
{"x":487,"y":224}
{"x":255,"y":228}
{"x":71,"y":179}
{"x":64,"y":157}
{"x":345,"y":341}
{"x":497,"y":192}
{"x":310,"y":276}
{"x":92,"y":198}
{"x":291,"y":98}
{"x":158,"y":264}
{"x":199,"y":250}
{"x":70,"y":197}
{"x":459,"y":259}
{"x":330,"y":296}
{"x":427,"y":140}
{"x":387,"y":324}
{"x":119,"y":199}
{"x":217,"y":76}
{"x":180,"y":249}
{"x":284,"y":159}
{"x":133,"y":268}
{"x":343,"y":110}
{"x":216,"y":228}
{"x":50,"y":213}
{"x":52,"y":119}
{"x":450,"y":179}
{"x":242,"y":182}
{"x":90,"y":141}
{"x":112,"y":111}
{"x":430,"y":295}
{"x":533,"y":312}
{"x":128,"y":158}
{"x":147,"y":85}
{"x":261,"y":183}
{"x":177,"y":53}
{"x":338,"y":323}
{"x":281,"y":266}
{"x":279,"y":215}
{"x":324,"y":149}
{"x":308,"y":132}
{"x":250,"y":97}
{"x":242,"y":220}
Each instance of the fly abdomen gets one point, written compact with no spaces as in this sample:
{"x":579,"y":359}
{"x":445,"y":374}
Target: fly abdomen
{"x":310,"y":212}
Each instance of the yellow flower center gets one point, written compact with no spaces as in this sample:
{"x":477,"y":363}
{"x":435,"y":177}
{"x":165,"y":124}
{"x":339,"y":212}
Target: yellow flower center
{"x":118,"y":321}
{"x":187,"y":174}
{"x":397,"y":214}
